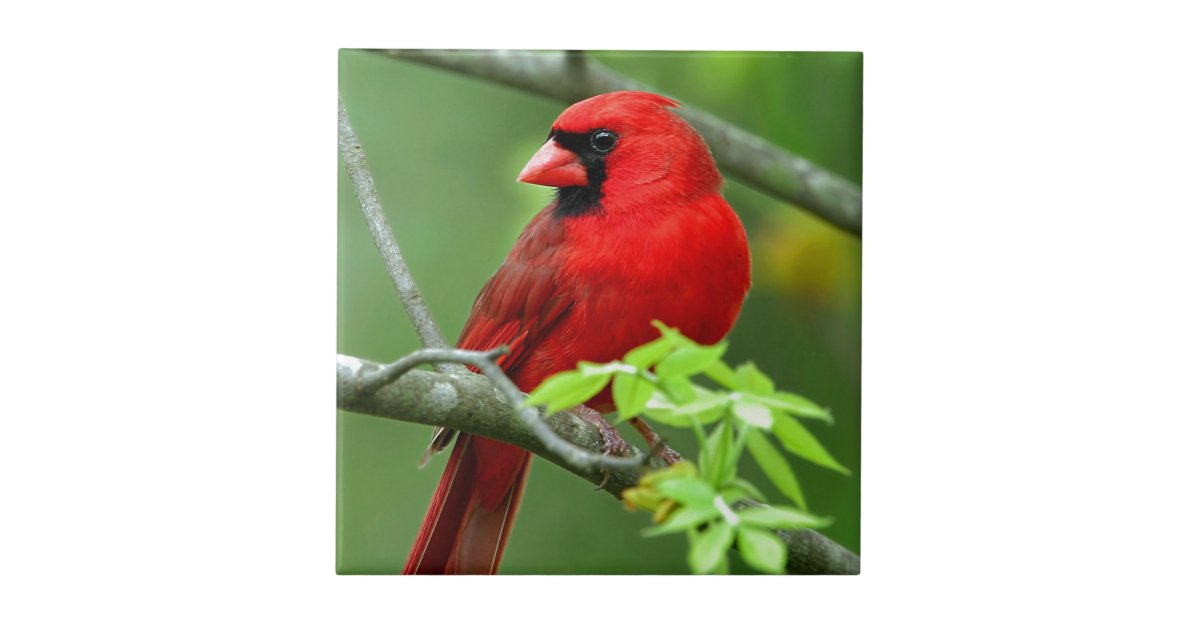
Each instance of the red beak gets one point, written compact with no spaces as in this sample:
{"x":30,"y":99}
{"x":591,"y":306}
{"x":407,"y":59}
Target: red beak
{"x":555,"y":166}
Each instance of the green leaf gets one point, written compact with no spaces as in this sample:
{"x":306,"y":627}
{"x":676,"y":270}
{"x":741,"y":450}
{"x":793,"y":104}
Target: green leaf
{"x":566,"y":389}
{"x":775,"y":466}
{"x":751,"y":490}
{"x":630,"y":393}
{"x":669,"y":332}
{"x":798,"y":440}
{"x":781,"y":518}
{"x":660,"y":409}
{"x":688,"y":490}
{"x":665,"y":416}
{"x":642,"y":497}
{"x":707,"y":407}
{"x":748,"y":378}
{"x":649,"y":354}
{"x":753,"y":414}
{"x":704,"y":405}
{"x":721,"y":374}
{"x":684,"y":518}
{"x":674,"y":471}
{"x":646,"y":495}
{"x":680,"y":389}
{"x":687,"y":361}
{"x":706,"y":451}
{"x":762,"y":549}
{"x":732,"y":494}
{"x":587,"y":368}
{"x":796,"y":405}
{"x":719,"y":449}
{"x":709,"y":547}
{"x":720,"y":453}
{"x":729,"y":473}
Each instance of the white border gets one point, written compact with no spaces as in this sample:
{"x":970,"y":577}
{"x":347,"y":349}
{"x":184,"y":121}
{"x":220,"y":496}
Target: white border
{"x":1030,"y":317}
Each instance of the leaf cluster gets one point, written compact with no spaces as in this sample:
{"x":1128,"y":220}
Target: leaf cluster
{"x":739,"y":415}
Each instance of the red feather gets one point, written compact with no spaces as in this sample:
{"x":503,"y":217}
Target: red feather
{"x":661,"y":244}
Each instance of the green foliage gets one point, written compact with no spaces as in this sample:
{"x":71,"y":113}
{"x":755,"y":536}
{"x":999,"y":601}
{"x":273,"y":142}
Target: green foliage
{"x":655,"y":381}
{"x":630,"y":394}
{"x":775,"y":466}
{"x":569,"y":389}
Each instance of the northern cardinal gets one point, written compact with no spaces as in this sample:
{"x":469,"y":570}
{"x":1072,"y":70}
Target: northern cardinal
{"x":638,"y":231}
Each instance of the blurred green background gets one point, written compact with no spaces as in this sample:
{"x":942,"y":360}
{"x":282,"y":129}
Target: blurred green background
{"x":445,"y":150}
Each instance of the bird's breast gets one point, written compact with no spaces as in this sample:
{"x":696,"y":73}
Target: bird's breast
{"x":689,"y":269}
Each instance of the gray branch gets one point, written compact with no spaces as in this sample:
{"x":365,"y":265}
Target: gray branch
{"x":385,"y":241}
{"x":575,"y":459}
{"x":573,"y":76}
{"x":469,"y":402}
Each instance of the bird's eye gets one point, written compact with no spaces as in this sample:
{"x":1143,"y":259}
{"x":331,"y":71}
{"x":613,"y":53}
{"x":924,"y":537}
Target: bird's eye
{"x":603,"y":140}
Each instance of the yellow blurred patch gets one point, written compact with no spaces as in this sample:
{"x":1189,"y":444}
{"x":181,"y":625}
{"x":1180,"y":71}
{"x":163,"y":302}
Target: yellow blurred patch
{"x":803,"y":259}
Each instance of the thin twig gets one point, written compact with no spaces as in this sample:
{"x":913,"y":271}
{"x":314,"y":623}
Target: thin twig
{"x":573,"y":76}
{"x":364,"y":187}
{"x":577,"y":458}
{"x":394,"y":370}
{"x":385,"y":241}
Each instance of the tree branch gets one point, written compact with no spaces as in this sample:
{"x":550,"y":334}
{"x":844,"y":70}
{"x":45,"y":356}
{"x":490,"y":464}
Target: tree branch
{"x":469,"y":402}
{"x":385,"y":241}
{"x":575,"y":459}
{"x":573,"y":76}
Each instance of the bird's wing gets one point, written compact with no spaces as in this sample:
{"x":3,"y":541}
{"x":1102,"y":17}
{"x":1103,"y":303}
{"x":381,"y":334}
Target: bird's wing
{"x":518,"y":307}
{"x":524,"y":300}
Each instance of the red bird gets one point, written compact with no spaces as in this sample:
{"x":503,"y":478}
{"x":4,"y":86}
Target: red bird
{"x":638,"y":231}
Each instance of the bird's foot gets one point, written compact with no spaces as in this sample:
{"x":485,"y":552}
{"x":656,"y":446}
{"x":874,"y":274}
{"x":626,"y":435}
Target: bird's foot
{"x":612,"y":442}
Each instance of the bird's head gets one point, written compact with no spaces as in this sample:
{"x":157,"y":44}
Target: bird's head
{"x":622,"y":150}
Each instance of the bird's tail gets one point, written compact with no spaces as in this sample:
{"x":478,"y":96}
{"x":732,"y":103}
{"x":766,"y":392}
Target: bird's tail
{"x":472,"y":512}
